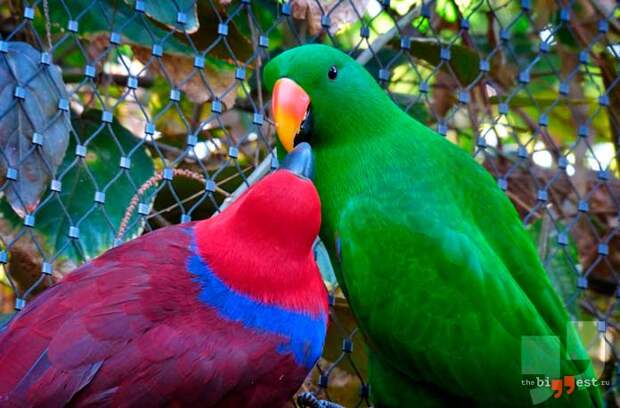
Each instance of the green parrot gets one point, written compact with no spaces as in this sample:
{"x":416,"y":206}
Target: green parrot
{"x":442,"y":277}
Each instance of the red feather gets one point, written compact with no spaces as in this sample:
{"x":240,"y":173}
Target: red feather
{"x":291,"y":208}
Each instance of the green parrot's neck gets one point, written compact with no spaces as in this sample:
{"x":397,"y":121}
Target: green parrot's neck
{"x":354,"y":163}
{"x":373,"y":156}
{"x":365,"y":153}
{"x":336,"y":125}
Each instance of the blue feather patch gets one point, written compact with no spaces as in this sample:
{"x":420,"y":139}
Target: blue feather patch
{"x":304,"y":334}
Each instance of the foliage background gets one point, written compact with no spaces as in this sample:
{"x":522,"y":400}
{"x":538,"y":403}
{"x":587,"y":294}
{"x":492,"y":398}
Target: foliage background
{"x":125,"y":89}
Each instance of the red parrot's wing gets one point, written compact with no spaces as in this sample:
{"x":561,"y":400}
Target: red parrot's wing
{"x":128,"y":329}
{"x":58,"y":344}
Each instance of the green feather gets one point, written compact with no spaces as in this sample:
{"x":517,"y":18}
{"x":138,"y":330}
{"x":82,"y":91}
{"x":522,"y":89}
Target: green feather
{"x":435,"y":263}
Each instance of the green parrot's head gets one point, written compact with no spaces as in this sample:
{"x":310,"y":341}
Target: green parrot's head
{"x":320,"y":96}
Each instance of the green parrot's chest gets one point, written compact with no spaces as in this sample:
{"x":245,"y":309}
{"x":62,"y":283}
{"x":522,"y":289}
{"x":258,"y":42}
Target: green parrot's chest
{"x":337,"y":203}
{"x":378,"y":263}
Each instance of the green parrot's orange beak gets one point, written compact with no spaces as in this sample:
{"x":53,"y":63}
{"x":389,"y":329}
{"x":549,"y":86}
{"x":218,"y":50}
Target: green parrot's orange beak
{"x":289,"y":107}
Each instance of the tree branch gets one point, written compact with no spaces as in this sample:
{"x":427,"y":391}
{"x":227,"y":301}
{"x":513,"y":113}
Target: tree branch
{"x":384,"y":38}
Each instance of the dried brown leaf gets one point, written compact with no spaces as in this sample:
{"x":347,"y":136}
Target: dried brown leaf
{"x":25,"y":261}
{"x":340,"y":12}
{"x":198,"y":85}
{"x":444,"y":93}
{"x":97,"y":45}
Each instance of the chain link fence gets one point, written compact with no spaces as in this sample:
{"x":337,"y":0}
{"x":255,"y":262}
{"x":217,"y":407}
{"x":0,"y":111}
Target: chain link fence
{"x":100,"y":96}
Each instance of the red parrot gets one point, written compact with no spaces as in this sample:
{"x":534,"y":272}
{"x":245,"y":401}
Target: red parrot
{"x":228,"y":311}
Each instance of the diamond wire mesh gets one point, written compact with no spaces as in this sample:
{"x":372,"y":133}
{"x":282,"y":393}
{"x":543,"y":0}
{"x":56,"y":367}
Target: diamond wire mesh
{"x":529,"y":87}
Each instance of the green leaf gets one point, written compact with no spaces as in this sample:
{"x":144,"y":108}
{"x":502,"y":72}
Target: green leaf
{"x":463,"y":62}
{"x":565,"y":37}
{"x":166,"y":12}
{"x":542,"y":100}
{"x":417,"y":110}
{"x":562,"y":122}
{"x":81,"y":178}
{"x":446,"y":10}
{"x":236,"y":40}
{"x":7,"y":213}
{"x":465,"y":141}
{"x":265,"y":13}
{"x":522,"y":25}
{"x":104,"y":16}
{"x":422,"y":24}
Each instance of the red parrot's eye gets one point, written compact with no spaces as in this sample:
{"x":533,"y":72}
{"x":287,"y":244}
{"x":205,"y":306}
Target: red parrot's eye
{"x":332,"y":73}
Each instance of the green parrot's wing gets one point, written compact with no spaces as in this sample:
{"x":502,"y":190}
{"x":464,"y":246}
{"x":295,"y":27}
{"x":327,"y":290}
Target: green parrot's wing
{"x":442,"y":294}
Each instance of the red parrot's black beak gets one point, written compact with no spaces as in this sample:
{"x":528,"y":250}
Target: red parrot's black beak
{"x":300,"y":161}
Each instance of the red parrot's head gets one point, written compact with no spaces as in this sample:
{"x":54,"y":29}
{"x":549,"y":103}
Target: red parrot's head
{"x":282,"y":211}
{"x":285,"y":206}
{"x":262,"y":245}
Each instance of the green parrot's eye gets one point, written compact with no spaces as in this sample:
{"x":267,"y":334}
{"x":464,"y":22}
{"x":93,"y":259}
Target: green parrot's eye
{"x":332,"y":73}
